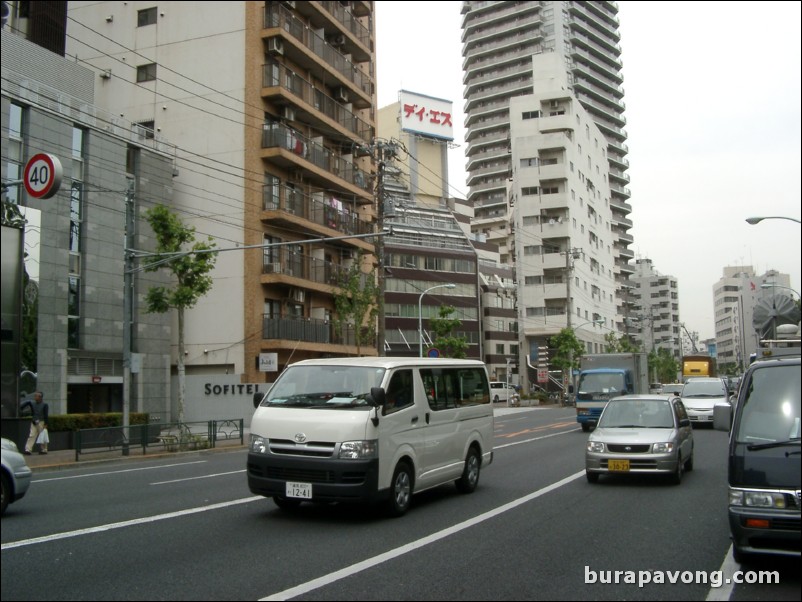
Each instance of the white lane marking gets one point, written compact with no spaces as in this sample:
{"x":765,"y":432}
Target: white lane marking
{"x":309,"y":586}
{"x":495,"y":447}
{"x":100,"y":474}
{"x":126,"y":523}
{"x":206,"y":476}
{"x":728,"y":568}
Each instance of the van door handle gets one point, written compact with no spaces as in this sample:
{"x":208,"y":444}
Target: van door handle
{"x":427,"y":417}
{"x":415,"y":420}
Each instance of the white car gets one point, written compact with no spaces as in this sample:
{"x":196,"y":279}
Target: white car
{"x":16,"y":475}
{"x":700,"y":395}
{"x":501,"y":392}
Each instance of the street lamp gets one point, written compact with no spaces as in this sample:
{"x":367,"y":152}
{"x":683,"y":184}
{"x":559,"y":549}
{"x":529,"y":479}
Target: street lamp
{"x":420,"y":312}
{"x":755,"y":220}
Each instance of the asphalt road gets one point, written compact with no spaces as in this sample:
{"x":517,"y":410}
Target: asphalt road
{"x":186,"y":527}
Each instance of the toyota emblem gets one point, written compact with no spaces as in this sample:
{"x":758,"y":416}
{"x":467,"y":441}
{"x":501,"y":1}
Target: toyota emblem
{"x":300,"y":437}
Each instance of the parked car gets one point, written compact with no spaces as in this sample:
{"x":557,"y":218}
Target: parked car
{"x":641,"y":434}
{"x":500,"y":391}
{"x":701,"y":394}
{"x":16,"y":475}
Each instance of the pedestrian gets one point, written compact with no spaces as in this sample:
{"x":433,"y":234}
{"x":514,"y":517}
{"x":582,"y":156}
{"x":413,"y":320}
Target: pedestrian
{"x":39,"y":416}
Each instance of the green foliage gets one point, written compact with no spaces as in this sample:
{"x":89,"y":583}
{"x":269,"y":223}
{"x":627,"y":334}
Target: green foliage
{"x":356,"y":303}
{"x":190,"y":268}
{"x":568,"y":349}
{"x":663,"y":366}
{"x":73,"y":422}
{"x":443,"y":327}
{"x":622,"y":344}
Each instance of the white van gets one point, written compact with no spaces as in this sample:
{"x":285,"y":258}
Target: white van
{"x":370,"y":429}
{"x":500,"y":391}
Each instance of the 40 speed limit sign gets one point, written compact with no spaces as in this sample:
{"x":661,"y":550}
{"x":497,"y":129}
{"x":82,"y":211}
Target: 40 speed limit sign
{"x":42,"y":176}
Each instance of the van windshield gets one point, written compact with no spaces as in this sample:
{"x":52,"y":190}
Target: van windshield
{"x":771,"y":407}
{"x":328,"y":387}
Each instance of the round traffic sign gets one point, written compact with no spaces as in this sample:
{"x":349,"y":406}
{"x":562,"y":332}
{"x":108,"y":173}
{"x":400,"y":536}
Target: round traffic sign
{"x":433,"y":352}
{"x":43,"y":176}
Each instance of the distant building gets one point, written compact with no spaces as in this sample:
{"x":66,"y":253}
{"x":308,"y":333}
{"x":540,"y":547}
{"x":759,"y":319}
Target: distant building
{"x":653,"y":312}
{"x":738,"y":297}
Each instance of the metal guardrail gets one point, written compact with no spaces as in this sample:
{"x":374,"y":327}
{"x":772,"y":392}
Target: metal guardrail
{"x":173,"y":437}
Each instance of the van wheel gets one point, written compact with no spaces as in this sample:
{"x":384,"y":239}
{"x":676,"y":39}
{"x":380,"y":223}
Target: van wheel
{"x":592,"y":477}
{"x":470,"y":474}
{"x":400,"y":490}
{"x":689,"y":463}
{"x":286,"y":503}
{"x":495,"y":399}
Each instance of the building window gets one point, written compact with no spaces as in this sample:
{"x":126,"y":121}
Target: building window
{"x":73,"y":312}
{"x":146,"y":73}
{"x":146,"y":16}
{"x":16,"y":114}
{"x":530,"y":114}
{"x":145,"y":130}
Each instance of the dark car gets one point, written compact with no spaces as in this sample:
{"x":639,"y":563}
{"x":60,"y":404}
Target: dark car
{"x":764,"y":459}
{"x":641,"y":434}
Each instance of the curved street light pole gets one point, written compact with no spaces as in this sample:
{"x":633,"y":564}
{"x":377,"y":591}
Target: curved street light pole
{"x":420,"y":313}
{"x":755,"y":220}
{"x":788,"y":288}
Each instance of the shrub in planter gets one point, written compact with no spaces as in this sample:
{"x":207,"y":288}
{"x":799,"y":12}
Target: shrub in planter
{"x":73,"y":422}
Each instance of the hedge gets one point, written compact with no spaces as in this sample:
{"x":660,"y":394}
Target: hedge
{"x":74,"y":422}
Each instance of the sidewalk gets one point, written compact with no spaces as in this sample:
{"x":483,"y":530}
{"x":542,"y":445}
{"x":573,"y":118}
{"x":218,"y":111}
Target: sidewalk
{"x":66,"y":457}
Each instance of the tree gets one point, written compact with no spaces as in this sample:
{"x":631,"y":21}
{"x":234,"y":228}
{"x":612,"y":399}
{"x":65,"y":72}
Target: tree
{"x":443,"y":327}
{"x":568,"y":351}
{"x":355,"y":303}
{"x":663,"y":365}
{"x":190,"y":263}
{"x":622,"y":344}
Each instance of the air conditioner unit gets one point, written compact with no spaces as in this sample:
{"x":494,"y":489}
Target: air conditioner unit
{"x":555,"y":104}
{"x":288,"y":113}
{"x":341,"y":95}
{"x":338,"y":40}
{"x":275,"y":46}
{"x":274,"y":267}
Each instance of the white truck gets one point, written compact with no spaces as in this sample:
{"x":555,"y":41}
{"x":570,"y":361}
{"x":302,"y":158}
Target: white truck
{"x":603,"y":376}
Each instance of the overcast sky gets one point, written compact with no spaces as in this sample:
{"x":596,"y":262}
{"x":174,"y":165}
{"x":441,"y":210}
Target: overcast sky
{"x":712,"y":93}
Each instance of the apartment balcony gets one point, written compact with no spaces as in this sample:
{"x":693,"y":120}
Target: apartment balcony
{"x":602,"y":33}
{"x":308,"y":333}
{"x":334,"y":15}
{"x":517,"y":87}
{"x":291,"y":208}
{"x":289,"y":149}
{"x":497,"y":15}
{"x":526,"y":24}
{"x":286,"y":35}
{"x":300,"y":100}
{"x":302,"y":271}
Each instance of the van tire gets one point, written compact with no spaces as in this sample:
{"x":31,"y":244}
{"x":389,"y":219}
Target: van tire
{"x":469,"y":480}
{"x":400,"y":490}
{"x":286,"y":503}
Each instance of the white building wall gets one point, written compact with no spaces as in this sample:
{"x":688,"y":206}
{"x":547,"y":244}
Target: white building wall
{"x":196,"y":102}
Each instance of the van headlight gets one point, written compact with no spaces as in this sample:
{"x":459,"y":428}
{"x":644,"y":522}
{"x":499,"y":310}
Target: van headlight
{"x":757,"y":498}
{"x":358,"y":450}
{"x":259,"y":444}
{"x":663,"y":448}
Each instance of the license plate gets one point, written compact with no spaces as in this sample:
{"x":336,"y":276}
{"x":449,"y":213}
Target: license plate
{"x":618,"y":465}
{"x":299,"y":490}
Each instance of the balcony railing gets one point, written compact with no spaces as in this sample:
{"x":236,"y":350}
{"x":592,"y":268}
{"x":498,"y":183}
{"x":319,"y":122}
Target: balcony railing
{"x":305,"y":267}
{"x":276,"y":75}
{"x":281,"y":136}
{"x":309,"y":330}
{"x":329,"y":213}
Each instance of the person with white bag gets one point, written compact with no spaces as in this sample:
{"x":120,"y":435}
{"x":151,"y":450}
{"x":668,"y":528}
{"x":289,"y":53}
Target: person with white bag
{"x":39,"y":415}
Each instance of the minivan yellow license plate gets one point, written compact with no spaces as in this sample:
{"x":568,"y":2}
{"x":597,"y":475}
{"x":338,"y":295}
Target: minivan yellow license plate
{"x":618,"y":465}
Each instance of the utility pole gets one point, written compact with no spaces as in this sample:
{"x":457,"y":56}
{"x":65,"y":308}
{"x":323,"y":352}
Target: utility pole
{"x":128,"y":310}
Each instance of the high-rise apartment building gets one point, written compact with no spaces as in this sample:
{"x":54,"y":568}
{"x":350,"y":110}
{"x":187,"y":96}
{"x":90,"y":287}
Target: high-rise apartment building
{"x":500,"y":40}
{"x":271,"y":106}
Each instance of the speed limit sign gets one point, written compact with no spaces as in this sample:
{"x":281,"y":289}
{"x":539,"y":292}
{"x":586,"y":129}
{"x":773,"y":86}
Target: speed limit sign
{"x":43,"y":176}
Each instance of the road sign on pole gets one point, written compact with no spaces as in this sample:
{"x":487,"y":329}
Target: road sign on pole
{"x":43,"y":176}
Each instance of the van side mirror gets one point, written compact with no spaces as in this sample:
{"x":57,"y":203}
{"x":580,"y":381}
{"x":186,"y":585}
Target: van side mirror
{"x":376,"y":397}
{"x":722,"y":417}
{"x":257,"y":399}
